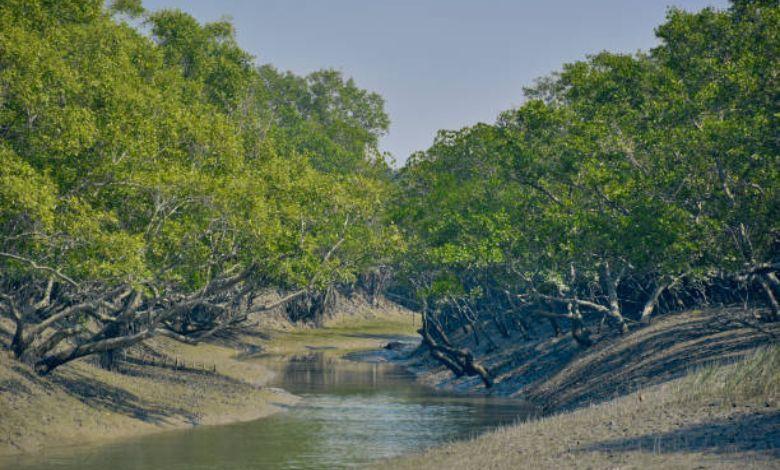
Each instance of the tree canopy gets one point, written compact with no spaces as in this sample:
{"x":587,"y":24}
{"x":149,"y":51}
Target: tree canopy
{"x":156,"y":180}
{"x":622,"y":181}
{"x":148,"y":165}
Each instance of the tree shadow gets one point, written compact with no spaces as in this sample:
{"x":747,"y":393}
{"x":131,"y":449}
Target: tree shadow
{"x":13,"y":387}
{"x":388,"y":337}
{"x":238,"y":337}
{"x":647,"y":357}
{"x":104,"y":397}
{"x":753,"y":432}
{"x":557,"y":374}
{"x":246,"y":342}
{"x":179,"y":376}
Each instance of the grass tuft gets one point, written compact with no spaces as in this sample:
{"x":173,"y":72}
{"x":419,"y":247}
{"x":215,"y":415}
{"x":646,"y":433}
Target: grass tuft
{"x":756,"y":378}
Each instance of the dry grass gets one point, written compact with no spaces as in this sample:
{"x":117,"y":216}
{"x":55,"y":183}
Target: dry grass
{"x":716,"y":417}
{"x":754,"y":379}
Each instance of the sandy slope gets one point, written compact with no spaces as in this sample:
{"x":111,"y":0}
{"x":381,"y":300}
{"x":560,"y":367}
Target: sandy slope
{"x":688,"y":391}
{"x":81,"y":402}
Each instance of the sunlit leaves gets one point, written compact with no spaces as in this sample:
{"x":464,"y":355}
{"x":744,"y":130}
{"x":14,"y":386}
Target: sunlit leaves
{"x":649,"y":161}
{"x":163,"y":157}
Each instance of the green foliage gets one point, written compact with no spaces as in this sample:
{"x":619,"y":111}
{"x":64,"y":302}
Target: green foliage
{"x":28,"y":198}
{"x":332,"y":121}
{"x":658,"y":164}
{"x":168,"y":159}
{"x":155,"y":153}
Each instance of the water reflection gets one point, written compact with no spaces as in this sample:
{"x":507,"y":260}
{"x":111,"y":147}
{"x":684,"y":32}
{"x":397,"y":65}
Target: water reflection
{"x":317,"y":372}
{"x":351,"y":413}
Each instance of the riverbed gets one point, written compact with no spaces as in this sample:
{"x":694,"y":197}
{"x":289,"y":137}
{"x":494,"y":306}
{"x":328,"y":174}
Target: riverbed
{"x":350,"y":413}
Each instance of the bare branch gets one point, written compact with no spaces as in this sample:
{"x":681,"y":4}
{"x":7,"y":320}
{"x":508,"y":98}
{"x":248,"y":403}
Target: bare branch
{"x":37,"y":266}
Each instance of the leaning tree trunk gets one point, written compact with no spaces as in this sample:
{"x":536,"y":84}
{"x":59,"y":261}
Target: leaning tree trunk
{"x":767,"y":281}
{"x":19,"y":342}
{"x":652,"y":301}
{"x":54,"y":360}
{"x":517,"y":320}
{"x":459,"y":361}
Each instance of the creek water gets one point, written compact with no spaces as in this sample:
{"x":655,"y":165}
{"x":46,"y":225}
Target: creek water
{"x":350,"y":414}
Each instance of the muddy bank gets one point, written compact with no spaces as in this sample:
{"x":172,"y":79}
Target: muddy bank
{"x":557,"y":374}
{"x":719,"y":417}
{"x":693,"y":390}
{"x":82,"y":403}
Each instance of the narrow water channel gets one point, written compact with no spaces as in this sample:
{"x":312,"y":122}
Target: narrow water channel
{"x":351,"y":413}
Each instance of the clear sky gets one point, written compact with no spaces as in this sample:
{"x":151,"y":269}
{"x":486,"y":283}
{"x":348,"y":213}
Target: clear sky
{"x":440,"y":64}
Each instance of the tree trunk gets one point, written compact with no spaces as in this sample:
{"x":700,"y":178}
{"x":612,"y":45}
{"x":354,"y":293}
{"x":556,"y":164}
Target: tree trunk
{"x":108,"y":357}
{"x":18,"y":344}
{"x":51,"y":362}
{"x":459,"y":361}
{"x":652,"y":301}
{"x":774,"y":305}
{"x":614,"y":303}
{"x":555,"y":326}
{"x":517,"y":319}
{"x":771,"y":278}
{"x":434,"y":323}
{"x":486,"y":334}
{"x":501,"y":326}
{"x":578,"y":332}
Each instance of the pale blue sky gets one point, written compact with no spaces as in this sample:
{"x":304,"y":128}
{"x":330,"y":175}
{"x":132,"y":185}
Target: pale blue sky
{"x":440,"y":64}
